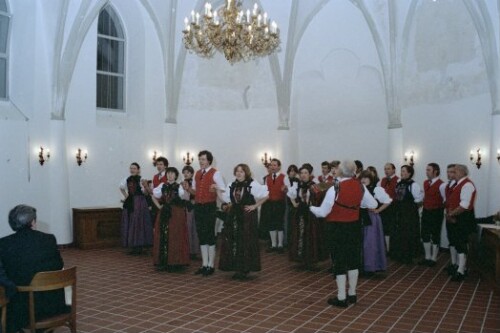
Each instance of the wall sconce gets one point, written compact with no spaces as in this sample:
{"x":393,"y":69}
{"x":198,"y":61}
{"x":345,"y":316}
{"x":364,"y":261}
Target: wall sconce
{"x":409,"y":158}
{"x":498,"y":155}
{"x":154,"y":158}
{"x":265,"y":160}
{"x":476,"y":157}
{"x":187,"y":159}
{"x":41,"y":157}
{"x":79,"y":159}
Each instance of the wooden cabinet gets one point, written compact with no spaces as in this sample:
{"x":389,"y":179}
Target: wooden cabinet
{"x":489,"y":256}
{"x":96,"y":227}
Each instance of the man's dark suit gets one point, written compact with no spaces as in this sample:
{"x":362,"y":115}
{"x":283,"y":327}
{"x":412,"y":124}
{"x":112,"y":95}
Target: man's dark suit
{"x":24,"y":254}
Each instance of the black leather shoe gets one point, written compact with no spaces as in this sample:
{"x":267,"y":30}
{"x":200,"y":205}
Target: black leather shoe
{"x":451,"y":269}
{"x":431,"y":263}
{"x":280,"y":250}
{"x":271,"y":249}
{"x":334,"y":301}
{"x":200,"y":270}
{"x":458,"y":277}
{"x":424,"y":262}
{"x":209,"y":271}
{"x":352,"y":299}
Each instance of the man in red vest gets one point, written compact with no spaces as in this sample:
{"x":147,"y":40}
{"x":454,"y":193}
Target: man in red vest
{"x":276,"y":206}
{"x":206,"y":186}
{"x":326,"y":176}
{"x":343,"y":229}
{"x":450,"y":174}
{"x":460,"y":212}
{"x":388,"y":215}
{"x":432,"y":214}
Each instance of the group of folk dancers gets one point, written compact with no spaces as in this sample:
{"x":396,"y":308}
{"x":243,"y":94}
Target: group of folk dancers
{"x":347,"y":214}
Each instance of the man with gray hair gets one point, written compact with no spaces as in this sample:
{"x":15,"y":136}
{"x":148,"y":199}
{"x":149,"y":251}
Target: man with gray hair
{"x":460,"y":214}
{"x":23,"y":254}
{"x":343,"y":229}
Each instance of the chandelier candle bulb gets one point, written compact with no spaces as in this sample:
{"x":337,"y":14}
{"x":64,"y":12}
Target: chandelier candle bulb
{"x":228,"y":30}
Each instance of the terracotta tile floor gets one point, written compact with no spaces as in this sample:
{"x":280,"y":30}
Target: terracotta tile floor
{"x":121,"y":293}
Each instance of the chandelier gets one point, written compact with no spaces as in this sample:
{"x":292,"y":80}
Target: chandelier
{"x":240,"y":35}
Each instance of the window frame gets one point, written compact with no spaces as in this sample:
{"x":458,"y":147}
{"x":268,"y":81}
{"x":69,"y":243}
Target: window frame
{"x":6,"y":55}
{"x":113,"y":14}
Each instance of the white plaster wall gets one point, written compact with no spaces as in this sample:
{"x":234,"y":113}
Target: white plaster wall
{"x":114,"y":139}
{"x":339,"y":102}
{"x":446,"y":133}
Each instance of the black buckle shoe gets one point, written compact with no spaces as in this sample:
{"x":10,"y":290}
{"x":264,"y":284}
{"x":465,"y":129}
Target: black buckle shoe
{"x":334,"y":301}
{"x":209,"y":271}
{"x":458,"y":277}
{"x":200,"y":270}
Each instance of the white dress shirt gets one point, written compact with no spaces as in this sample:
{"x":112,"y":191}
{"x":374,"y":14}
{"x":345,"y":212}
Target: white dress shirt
{"x":381,"y":195}
{"x":466,"y":193}
{"x":326,"y":206}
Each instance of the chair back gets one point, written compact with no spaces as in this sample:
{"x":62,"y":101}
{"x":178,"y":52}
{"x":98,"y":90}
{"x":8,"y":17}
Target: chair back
{"x":47,"y":281}
{"x":3,"y":306}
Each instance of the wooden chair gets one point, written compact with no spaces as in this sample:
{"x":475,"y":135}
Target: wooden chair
{"x":46,"y":281}
{"x":3,"y":305}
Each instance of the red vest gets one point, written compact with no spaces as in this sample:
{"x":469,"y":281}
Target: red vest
{"x":447,"y":192}
{"x":157,"y":180}
{"x":203,"y":194}
{"x":390,"y":186}
{"x":328,"y":179}
{"x":346,"y":206}
{"x":432,"y":195}
{"x":454,"y":200}
{"x":276,"y":188}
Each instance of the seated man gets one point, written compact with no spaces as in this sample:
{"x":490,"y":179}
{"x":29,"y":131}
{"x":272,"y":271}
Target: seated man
{"x":9,"y":286}
{"x":23,"y":254}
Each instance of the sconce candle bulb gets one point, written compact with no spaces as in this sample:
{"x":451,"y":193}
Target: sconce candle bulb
{"x":187,"y":159}
{"x":409,"y":158}
{"x":154,"y":158}
{"x":265,"y":160}
{"x":498,"y":155}
{"x":41,"y":157}
{"x":79,"y":158}
{"x":476,"y":157}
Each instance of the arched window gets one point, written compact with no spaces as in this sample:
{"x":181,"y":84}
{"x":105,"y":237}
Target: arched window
{"x":110,"y":61}
{"x":4,"y":49}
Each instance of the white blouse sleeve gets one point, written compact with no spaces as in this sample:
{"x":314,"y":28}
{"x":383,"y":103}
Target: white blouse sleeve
{"x":416,"y":191}
{"x":123,"y":184}
{"x":182,"y":193}
{"x":292,"y":191}
{"x":157,"y":191}
{"x":382,"y":196}
{"x":259,"y":191}
{"x":226,"y":196}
